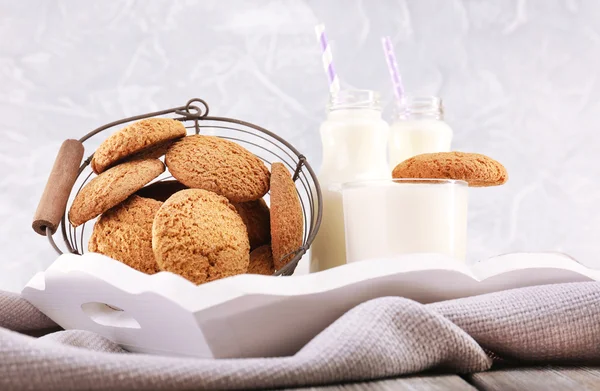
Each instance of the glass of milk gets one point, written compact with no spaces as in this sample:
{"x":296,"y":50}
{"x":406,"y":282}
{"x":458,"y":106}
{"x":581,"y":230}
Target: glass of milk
{"x":402,"y":216}
{"x":419,"y":128}
{"x":354,"y":138}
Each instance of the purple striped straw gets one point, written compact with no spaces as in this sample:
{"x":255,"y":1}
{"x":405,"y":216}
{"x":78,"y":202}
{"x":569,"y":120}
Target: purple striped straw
{"x":390,"y":57}
{"x":334,"y":81}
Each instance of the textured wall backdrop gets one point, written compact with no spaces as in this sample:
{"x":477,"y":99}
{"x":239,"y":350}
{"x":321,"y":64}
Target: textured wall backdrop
{"x":519,"y":79}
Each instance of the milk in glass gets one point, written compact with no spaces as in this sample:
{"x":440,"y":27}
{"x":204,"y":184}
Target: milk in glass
{"x":388,"y":218}
{"x":354,"y":139}
{"x":419,"y":128}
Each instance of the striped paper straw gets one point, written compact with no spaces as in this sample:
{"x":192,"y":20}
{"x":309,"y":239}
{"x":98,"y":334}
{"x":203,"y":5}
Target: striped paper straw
{"x":334,"y":81}
{"x":390,"y":58}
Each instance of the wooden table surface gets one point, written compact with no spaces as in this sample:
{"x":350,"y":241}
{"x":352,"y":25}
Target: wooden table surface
{"x":507,"y":379}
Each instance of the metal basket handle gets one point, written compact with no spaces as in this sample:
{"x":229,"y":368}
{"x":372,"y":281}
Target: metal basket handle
{"x":58,"y":188}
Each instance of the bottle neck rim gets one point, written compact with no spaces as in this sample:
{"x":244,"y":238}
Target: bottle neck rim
{"x":343,"y":113}
{"x":354,"y":100}
{"x":427,"y":107}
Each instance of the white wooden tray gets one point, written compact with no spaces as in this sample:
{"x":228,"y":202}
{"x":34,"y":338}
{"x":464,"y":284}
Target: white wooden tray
{"x":262,"y":316}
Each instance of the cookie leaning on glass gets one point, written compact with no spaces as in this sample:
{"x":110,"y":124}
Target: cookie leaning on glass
{"x":476,"y":169}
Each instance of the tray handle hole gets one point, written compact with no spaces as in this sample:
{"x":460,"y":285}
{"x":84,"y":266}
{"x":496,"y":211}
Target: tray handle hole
{"x":109,"y":315}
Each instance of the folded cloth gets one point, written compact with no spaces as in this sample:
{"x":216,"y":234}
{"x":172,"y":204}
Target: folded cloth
{"x":384,"y":337}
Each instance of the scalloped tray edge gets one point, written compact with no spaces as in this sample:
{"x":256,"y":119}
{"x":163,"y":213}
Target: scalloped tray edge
{"x":258,"y":316}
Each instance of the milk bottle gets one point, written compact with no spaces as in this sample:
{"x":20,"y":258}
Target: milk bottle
{"x":419,"y":128}
{"x":354,"y":138}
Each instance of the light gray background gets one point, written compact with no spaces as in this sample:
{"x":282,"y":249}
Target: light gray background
{"x":519,"y":80}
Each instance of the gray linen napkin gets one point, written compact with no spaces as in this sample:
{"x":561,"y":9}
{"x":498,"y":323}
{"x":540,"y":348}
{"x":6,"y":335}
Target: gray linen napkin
{"x":383,"y":337}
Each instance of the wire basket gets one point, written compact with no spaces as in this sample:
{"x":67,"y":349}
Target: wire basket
{"x":68,"y":177}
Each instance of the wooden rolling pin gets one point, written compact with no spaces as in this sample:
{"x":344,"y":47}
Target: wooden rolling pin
{"x":58,"y":188}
